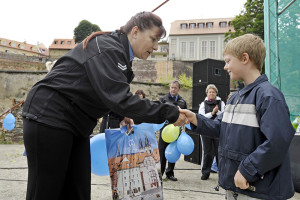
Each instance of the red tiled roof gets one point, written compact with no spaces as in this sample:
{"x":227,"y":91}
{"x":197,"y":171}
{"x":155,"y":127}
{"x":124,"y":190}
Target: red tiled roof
{"x":41,"y":49}
{"x":63,"y":44}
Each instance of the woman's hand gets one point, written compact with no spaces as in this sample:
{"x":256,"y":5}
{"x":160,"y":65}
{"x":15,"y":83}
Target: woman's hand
{"x":215,"y":110}
{"x":181,"y":120}
{"x":127,"y":121}
{"x":189,"y":115}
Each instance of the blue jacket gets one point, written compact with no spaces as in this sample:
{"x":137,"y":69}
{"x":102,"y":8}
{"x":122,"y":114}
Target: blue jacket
{"x":255,"y":133}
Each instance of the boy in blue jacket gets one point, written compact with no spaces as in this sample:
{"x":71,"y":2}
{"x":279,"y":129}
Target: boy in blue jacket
{"x":255,"y":129}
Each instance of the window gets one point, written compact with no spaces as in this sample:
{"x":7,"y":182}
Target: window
{"x":183,"y":49}
{"x":222,"y":24}
{"x":192,"y":49}
{"x":22,"y":46}
{"x":212,"y":47}
{"x":68,"y":42}
{"x":3,"y":42}
{"x":209,"y":24}
{"x":152,"y":56}
{"x":13,"y":44}
{"x":204,"y":49}
{"x":229,"y":23}
{"x":164,"y":49}
{"x":192,"y":26}
{"x":217,"y":72}
{"x":201,"y":25}
{"x":61,"y":42}
{"x":183,"y":26}
{"x":55,"y":42}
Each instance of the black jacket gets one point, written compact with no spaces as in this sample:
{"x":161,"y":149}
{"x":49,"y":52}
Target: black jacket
{"x":169,"y":99}
{"x":85,"y":84}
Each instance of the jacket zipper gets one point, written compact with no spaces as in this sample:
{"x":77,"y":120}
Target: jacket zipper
{"x":234,"y":108}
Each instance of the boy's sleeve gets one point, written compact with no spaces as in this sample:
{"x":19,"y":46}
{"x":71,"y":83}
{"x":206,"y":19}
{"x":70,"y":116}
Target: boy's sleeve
{"x":208,"y":126}
{"x":275,"y":125}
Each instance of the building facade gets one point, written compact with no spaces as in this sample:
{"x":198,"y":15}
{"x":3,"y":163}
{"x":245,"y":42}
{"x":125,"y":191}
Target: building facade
{"x":22,"y":48}
{"x":60,"y":47}
{"x":198,"y":39}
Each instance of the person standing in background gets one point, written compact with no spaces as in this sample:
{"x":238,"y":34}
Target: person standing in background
{"x":211,"y":107}
{"x":172,"y":98}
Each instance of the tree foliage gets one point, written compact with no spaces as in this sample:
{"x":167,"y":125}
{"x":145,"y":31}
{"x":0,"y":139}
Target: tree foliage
{"x":251,"y":20}
{"x":84,"y":29}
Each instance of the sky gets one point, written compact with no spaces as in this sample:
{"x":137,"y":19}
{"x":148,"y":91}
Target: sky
{"x":40,"y":21}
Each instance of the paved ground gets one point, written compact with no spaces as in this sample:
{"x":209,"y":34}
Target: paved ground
{"x":13,"y":176}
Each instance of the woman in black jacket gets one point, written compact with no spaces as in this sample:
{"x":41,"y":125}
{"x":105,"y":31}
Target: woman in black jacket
{"x":61,"y":110}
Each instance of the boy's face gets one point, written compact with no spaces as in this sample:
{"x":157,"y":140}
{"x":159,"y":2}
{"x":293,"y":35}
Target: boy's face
{"x":234,"y":67}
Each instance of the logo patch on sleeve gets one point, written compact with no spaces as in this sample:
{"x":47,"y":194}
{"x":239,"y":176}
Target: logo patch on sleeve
{"x":122,"y":67}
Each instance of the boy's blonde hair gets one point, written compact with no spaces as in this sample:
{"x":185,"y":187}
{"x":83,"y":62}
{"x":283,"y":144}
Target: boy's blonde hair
{"x":251,"y":44}
{"x":211,"y":86}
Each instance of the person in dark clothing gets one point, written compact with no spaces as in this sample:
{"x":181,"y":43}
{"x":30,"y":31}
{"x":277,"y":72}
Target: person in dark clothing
{"x":62,"y":109}
{"x":113,"y":120}
{"x":211,"y":107}
{"x":172,"y":98}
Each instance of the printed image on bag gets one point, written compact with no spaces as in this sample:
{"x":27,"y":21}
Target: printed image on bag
{"x":134,"y":162}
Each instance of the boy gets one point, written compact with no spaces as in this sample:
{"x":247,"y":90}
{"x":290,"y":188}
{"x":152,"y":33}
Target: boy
{"x":255,"y":129}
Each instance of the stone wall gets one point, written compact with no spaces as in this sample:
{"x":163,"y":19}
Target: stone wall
{"x":16,"y":85}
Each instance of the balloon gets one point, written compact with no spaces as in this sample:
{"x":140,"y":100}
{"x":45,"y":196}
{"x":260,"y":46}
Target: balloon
{"x":99,"y":161}
{"x":171,"y":153}
{"x":9,"y":122}
{"x":157,"y":127}
{"x":296,"y":122}
{"x":170,"y":133}
{"x":185,"y":144}
{"x":188,"y":126}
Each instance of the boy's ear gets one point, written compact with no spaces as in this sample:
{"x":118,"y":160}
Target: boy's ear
{"x":245,"y":58}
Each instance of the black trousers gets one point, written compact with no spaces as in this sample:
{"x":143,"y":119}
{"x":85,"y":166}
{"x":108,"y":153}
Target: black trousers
{"x":59,"y":164}
{"x":162,"y":145}
{"x":209,"y":151}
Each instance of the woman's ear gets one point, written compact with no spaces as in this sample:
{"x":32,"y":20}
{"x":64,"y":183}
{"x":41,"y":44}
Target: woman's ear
{"x":134,"y":31}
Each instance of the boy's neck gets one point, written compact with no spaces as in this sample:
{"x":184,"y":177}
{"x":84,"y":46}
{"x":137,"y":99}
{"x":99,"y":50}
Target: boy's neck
{"x":251,"y":75}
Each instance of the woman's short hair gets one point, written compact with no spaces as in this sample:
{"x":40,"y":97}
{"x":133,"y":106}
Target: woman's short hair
{"x":211,"y":86}
{"x":138,"y":92}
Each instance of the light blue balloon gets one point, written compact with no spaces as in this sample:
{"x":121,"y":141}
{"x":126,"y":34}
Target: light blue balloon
{"x":185,"y":144}
{"x":171,"y":153}
{"x":157,"y":127}
{"x":188,"y":126}
{"x":9,"y":122}
{"x":99,"y":161}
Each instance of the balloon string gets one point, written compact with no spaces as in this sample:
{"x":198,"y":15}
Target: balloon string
{"x":9,"y":110}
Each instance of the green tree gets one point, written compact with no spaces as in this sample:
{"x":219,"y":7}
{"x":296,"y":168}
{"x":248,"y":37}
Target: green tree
{"x":250,"y":20}
{"x":84,"y":29}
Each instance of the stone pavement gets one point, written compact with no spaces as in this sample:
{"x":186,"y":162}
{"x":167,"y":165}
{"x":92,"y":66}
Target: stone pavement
{"x":13,"y":180}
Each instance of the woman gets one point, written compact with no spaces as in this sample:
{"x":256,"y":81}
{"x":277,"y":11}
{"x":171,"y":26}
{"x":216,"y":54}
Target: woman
{"x":211,"y":107}
{"x":61,"y":110}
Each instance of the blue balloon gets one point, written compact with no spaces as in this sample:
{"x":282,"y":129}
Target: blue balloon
{"x":171,"y":153}
{"x":157,"y":127}
{"x":185,"y":144}
{"x":99,"y":161}
{"x":9,"y":122}
{"x":188,"y":126}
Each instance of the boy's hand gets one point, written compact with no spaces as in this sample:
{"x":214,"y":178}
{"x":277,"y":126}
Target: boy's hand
{"x":189,"y":115}
{"x":240,"y":181}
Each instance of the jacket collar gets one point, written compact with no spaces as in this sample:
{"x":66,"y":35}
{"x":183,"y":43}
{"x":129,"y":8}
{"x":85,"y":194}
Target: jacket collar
{"x":259,"y":80}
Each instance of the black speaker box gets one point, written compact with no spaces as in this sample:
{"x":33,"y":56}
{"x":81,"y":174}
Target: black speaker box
{"x":210,"y":71}
{"x":196,"y":155}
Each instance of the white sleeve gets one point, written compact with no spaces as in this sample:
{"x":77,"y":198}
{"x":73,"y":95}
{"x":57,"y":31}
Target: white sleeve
{"x":222,"y":108}
{"x":202,"y":111}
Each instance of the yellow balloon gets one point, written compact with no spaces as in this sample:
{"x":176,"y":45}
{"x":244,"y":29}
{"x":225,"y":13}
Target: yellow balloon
{"x":170,"y":133}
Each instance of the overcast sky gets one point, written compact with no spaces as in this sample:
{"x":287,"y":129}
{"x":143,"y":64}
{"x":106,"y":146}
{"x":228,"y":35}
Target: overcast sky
{"x":42,"y":21}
